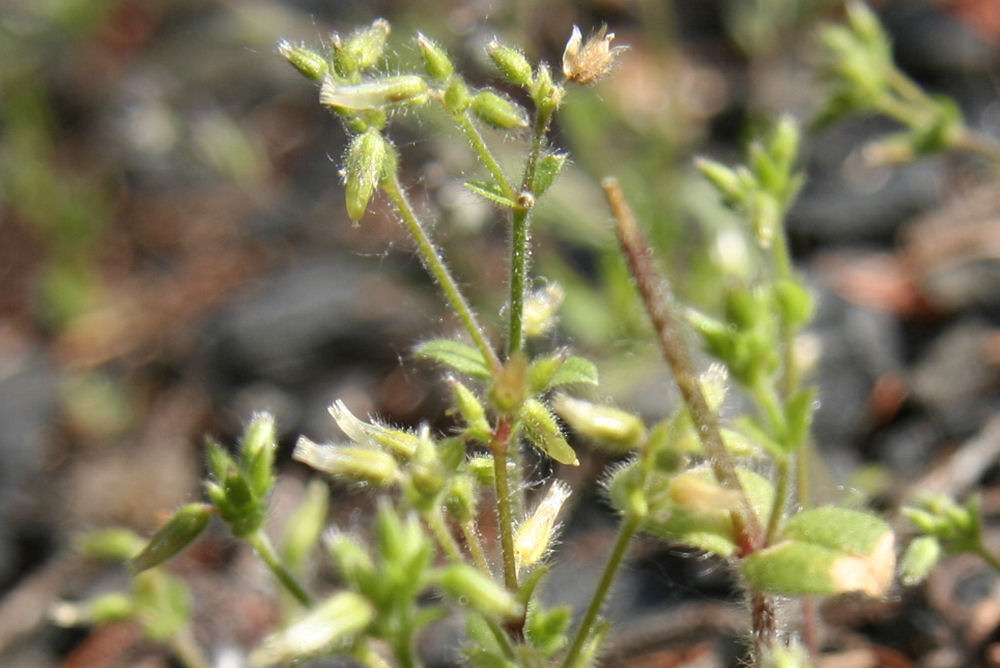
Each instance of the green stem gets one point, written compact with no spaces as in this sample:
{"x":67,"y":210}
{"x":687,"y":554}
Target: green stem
{"x":502,"y":639}
{"x":260,"y":542}
{"x":475,"y":546}
{"x":783,"y":475}
{"x":625,"y":534}
{"x":520,"y":235}
{"x":435,"y":520}
{"x":499,"y":446}
{"x":369,"y":657}
{"x":988,"y":557}
{"x":439,"y":271}
{"x":966,"y":139}
{"x":484,"y":154}
{"x":187,"y":651}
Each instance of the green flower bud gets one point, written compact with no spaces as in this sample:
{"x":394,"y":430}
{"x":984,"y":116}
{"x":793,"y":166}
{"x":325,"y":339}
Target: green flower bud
{"x":103,"y":609}
{"x":436,"y":60}
{"x":922,"y":554}
{"x":472,"y":411}
{"x":546,"y":95}
{"x":498,"y":111}
{"x":162,"y":603}
{"x":608,"y":426}
{"x":362,"y":49}
{"x":481,"y":468}
{"x":258,"y":448}
{"x":335,"y":621}
{"x":304,"y":528}
{"x":477,"y":590}
{"x":354,"y":463}
{"x":456,"y":96}
{"x":376,"y":94}
{"x":112,"y":544}
{"x":542,"y":429}
{"x":510,"y":388}
{"x":535,"y":535}
{"x":511,"y":63}
{"x":309,"y":63}
{"x":784,"y":143}
{"x":185,"y":525}
{"x":461,"y":499}
{"x":795,"y":304}
{"x":547,"y":628}
{"x":363,"y":171}
{"x":723,"y":178}
{"x":237,"y":503}
{"x":352,"y":560}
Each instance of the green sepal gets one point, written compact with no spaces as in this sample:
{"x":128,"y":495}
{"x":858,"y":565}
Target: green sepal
{"x":491,"y":191}
{"x":363,"y":171}
{"x":459,"y":356}
{"x":511,"y":63}
{"x":542,"y":429}
{"x":921,"y":555}
{"x":185,"y":525}
{"x":842,"y":529}
{"x":498,"y":111}
{"x":115,"y":544}
{"x":352,"y":561}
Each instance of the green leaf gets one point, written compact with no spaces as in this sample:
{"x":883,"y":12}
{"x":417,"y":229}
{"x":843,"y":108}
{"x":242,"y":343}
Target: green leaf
{"x":799,"y":411}
{"x":459,"y":356}
{"x":575,"y":370}
{"x":491,"y":191}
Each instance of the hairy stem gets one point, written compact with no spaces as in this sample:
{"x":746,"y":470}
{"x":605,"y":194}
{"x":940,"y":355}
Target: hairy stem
{"x":484,"y":154}
{"x":475,"y":546}
{"x":625,"y":534}
{"x":260,"y":542}
{"x":435,"y":520}
{"x":435,"y":265}
{"x":499,"y":446}
{"x":658,"y":300}
{"x":520,"y":235}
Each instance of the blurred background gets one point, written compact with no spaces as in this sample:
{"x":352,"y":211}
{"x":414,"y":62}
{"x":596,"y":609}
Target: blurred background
{"x":175,"y":255}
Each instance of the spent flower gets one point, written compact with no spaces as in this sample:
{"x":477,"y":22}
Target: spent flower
{"x":586,"y":62}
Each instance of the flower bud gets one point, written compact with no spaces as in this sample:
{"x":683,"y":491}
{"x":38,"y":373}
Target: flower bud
{"x":258,"y":447}
{"x":399,"y":442}
{"x":540,"y":310}
{"x":457,"y":97}
{"x":511,"y":63}
{"x":113,"y":544}
{"x":922,"y":554}
{"x":436,"y":60}
{"x":544,"y":92}
{"x":362,"y":49}
{"x":586,"y":63}
{"x":338,"y":619}
{"x":510,"y":388}
{"x":481,"y":468}
{"x":534,"y":536}
{"x":363,"y":171}
{"x":612,"y":427}
{"x":472,"y":411}
{"x":374,"y":94}
{"x":498,"y":111}
{"x":304,"y":528}
{"x":185,"y":525}
{"x":542,"y":429}
{"x":309,"y":63}
{"x":354,"y":463}
{"x":461,"y":499}
{"x":723,"y":178}
{"x":477,"y":590}
{"x":103,"y":609}
{"x":351,"y":558}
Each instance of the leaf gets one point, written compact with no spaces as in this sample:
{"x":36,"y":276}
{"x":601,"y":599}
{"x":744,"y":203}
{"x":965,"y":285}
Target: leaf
{"x":459,"y":356}
{"x":492,"y":192}
{"x":574,"y":370}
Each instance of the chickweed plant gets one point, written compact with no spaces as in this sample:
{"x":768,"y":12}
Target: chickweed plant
{"x":736,"y":488}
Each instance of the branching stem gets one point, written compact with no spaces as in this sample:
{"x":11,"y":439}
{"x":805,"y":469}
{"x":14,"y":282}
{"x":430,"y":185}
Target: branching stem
{"x":262,"y":544}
